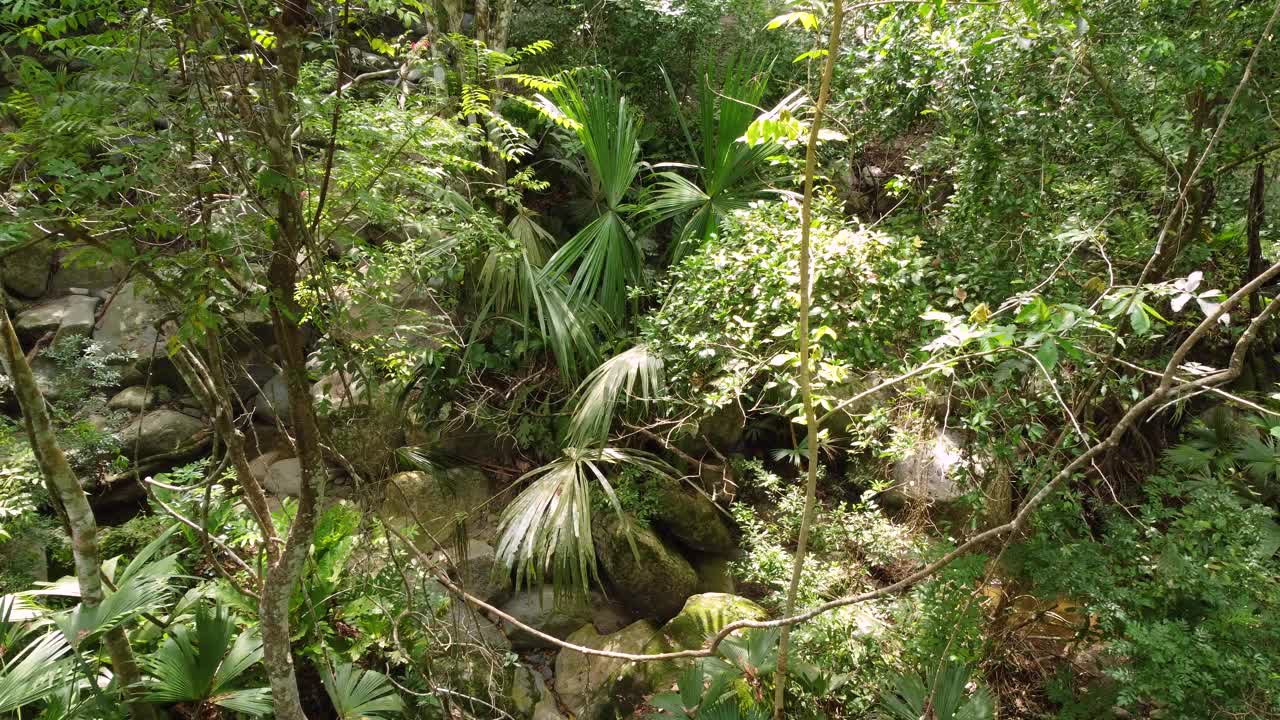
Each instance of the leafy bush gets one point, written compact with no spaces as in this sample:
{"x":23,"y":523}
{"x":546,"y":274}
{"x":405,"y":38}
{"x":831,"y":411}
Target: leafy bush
{"x":726,"y":327}
{"x":1182,"y":593}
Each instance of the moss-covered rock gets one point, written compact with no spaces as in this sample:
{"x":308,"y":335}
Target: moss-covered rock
{"x":601,"y":688}
{"x":691,"y":518}
{"x":654,"y":580}
{"x":433,"y":504}
{"x":707,"y":614}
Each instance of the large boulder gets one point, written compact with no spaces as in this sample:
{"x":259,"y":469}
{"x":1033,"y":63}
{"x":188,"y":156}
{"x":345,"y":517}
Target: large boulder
{"x":434,"y":503}
{"x":85,"y":267}
{"x":478,"y":572}
{"x":159,"y":432}
{"x":540,"y":609}
{"x":707,"y":614}
{"x":599,"y":688}
{"x":931,"y":473}
{"x":691,"y":518}
{"x":467,"y":626}
{"x":128,"y":328}
{"x":67,"y":316}
{"x":26,"y":272}
{"x":654,"y":579}
{"x":138,"y":398}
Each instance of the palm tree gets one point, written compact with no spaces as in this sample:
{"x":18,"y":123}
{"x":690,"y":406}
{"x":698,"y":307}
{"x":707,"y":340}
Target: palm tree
{"x":604,"y":257}
{"x":202,"y":668}
{"x":940,"y":694}
{"x":730,"y":172}
{"x":34,"y":672}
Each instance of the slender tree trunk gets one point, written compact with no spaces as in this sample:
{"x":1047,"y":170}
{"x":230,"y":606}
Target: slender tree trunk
{"x":1257,"y":195}
{"x":64,"y":489}
{"x":806,"y":373}
{"x":290,"y":243}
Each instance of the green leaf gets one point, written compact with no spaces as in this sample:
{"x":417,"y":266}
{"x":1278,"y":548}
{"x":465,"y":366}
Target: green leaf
{"x":1048,"y":354}
{"x":1139,"y":320}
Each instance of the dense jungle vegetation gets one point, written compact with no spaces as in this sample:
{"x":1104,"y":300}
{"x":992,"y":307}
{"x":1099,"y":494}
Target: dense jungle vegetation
{"x":595,"y":359}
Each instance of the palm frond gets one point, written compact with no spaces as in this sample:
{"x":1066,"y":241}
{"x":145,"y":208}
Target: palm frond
{"x":604,"y":257}
{"x":730,"y":173}
{"x":35,"y":672}
{"x":142,"y":592}
{"x":546,"y":531}
{"x":611,"y":384}
{"x":201,"y":667}
{"x":940,"y":694}
{"x":358,"y":694}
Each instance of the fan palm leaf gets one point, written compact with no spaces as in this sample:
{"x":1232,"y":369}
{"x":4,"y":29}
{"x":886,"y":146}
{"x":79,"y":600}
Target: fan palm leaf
{"x":358,"y":694}
{"x":604,"y":257}
{"x":202,"y":668}
{"x":611,"y":384}
{"x":730,"y":172}
{"x":545,"y":533}
{"x":939,"y":694}
{"x":35,"y":672}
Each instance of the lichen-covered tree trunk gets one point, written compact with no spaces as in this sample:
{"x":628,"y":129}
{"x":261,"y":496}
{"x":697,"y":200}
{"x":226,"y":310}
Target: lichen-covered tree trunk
{"x":64,"y":489}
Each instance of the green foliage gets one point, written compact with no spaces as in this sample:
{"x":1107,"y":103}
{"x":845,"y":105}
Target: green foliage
{"x":1183,"y":590}
{"x":545,"y":533}
{"x":604,"y":257}
{"x":941,"y":694}
{"x":202,"y":667}
{"x":83,"y":367}
{"x":726,"y":328}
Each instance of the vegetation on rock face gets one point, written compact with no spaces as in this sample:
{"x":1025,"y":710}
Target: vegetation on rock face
{"x":646,"y":358}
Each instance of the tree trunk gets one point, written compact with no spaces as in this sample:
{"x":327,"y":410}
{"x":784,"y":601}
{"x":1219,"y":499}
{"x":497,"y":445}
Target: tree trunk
{"x":73,"y":504}
{"x":290,"y":243}
{"x":806,"y":372}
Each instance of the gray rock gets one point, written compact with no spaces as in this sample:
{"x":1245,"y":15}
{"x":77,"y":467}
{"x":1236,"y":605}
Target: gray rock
{"x":691,"y":518}
{"x":158,"y":432}
{"x":79,"y":268}
{"x":273,"y":402}
{"x":431,"y":504}
{"x":284,"y":478}
{"x":654,"y":580}
{"x":478,"y":572}
{"x":259,"y":466}
{"x":468,"y":626}
{"x":538,"y":608}
{"x":128,"y":325}
{"x":931,"y":473}
{"x":594,"y":687}
{"x":714,"y":574}
{"x":26,"y":272}
{"x":68,"y":316}
{"x":139,"y":398}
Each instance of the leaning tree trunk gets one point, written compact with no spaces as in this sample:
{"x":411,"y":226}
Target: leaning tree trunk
{"x":73,"y":505}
